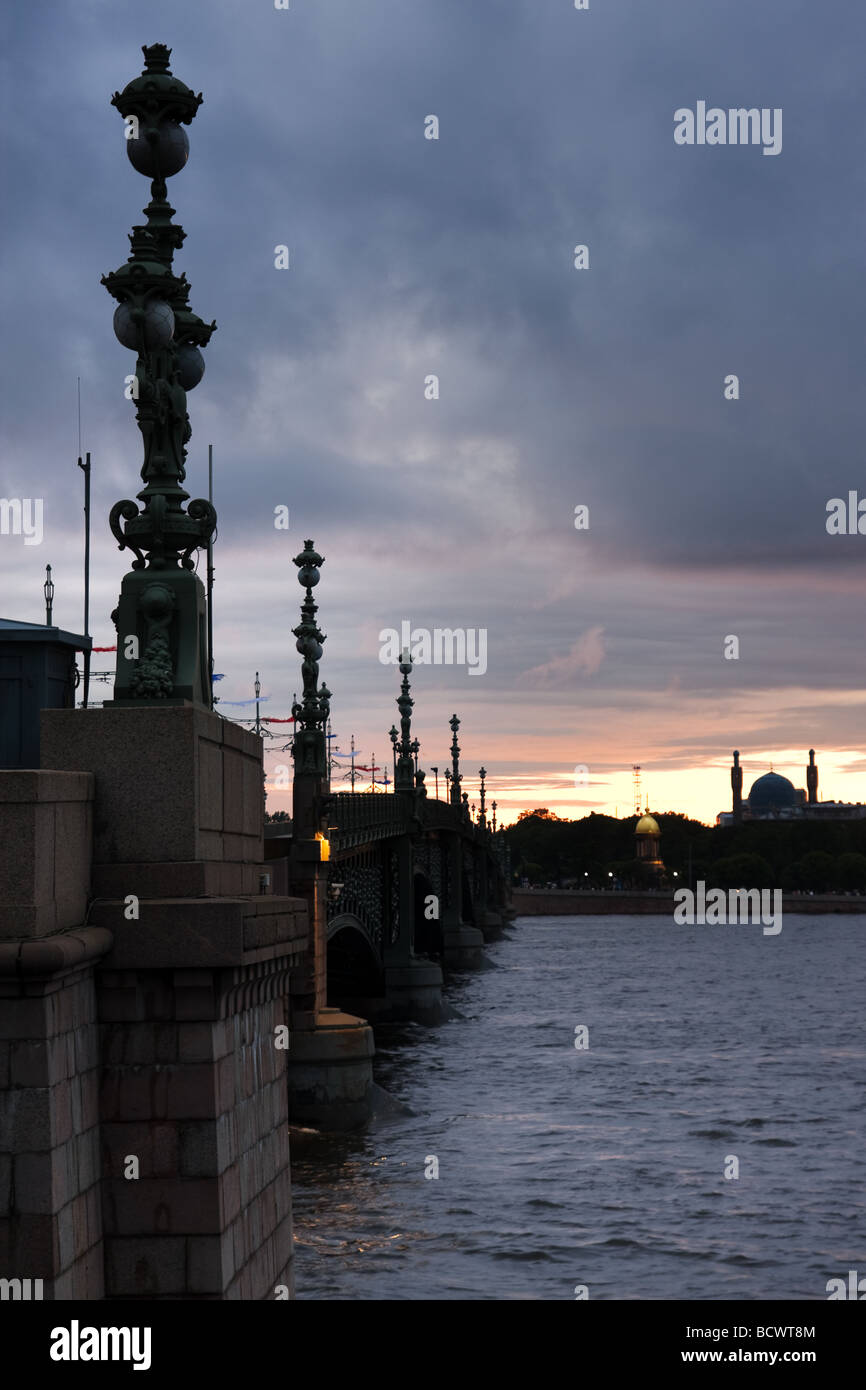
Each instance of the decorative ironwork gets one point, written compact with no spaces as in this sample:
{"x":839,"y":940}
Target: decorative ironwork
{"x":362,"y":894}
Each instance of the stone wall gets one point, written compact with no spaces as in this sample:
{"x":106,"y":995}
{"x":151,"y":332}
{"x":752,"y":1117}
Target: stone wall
{"x":194,"y":1087}
{"x":50,"y":1210}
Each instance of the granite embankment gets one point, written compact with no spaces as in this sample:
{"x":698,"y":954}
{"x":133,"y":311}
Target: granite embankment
{"x":563,"y":902}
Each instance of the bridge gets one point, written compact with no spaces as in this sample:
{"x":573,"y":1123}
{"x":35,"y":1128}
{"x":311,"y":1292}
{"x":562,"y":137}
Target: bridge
{"x":398,"y":887}
{"x":171,"y":994}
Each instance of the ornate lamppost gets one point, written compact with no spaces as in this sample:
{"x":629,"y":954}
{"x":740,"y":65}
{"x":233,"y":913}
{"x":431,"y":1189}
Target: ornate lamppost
{"x":311,"y":714}
{"x":162,"y":603}
{"x":456,"y":778}
{"x":393,"y":736}
{"x":405,"y":748}
{"x":482,"y":819}
{"x":48,"y":591}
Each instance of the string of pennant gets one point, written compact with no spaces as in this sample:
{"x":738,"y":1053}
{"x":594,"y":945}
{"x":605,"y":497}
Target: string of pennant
{"x":256,"y":700}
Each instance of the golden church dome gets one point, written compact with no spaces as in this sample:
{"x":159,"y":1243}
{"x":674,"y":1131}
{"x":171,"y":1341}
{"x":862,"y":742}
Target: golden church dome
{"x":647,"y":825}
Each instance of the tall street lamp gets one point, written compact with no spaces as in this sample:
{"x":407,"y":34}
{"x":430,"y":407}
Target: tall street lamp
{"x":48,"y":591}
{"x":162,"y":602}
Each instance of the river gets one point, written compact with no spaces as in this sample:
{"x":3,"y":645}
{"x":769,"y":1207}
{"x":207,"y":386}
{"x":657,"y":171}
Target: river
{"x":604,"y":1166}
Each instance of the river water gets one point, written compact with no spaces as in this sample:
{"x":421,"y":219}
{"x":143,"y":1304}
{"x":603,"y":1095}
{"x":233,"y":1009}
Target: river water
{"x":605,"y":1166}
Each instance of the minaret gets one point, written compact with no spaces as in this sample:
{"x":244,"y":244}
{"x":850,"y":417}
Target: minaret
{"x":737,"y":786}
{"x":812,"y":778}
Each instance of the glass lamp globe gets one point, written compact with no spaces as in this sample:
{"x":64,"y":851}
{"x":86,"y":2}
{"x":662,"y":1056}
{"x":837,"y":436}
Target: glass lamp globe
{"x":162,"y":157}
{"x":190,"y":366}
{"x":158,"y":323}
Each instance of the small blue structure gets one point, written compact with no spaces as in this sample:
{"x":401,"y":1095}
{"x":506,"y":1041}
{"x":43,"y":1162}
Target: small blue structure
{"x":37,"y":671}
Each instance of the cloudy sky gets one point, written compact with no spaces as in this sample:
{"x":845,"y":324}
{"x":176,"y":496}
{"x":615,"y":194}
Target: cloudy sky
{"x":558,"y":388}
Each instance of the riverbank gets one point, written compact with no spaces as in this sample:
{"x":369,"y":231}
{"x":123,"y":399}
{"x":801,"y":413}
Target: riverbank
{"x":565,"y":902}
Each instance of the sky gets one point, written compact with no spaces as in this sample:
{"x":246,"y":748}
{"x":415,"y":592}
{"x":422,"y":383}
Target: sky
{"x":558,"y":388}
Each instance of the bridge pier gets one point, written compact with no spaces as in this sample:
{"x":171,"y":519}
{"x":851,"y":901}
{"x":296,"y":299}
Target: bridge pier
{"x":413,"y":984}
{"x":462,"y":945}
{"x":330,"y":1058}
{"x":330,"y":1070}
{"x":147,"y":1028}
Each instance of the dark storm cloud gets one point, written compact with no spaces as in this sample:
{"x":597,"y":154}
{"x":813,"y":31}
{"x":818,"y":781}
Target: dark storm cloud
{"x":454,"y":257}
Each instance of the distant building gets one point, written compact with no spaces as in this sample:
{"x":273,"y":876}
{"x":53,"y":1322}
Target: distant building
{"x":647,"y":838}
{"x":772,"y":797}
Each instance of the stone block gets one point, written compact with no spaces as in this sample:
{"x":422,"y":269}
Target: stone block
{"x":201,"y":878}
{"x":45,"y":831}
{"x":30,"y":1244}
{"x":192,"y":1092}
{"x":198,"y":1149}
{"x":163,"y":1206}
{"x":172,"y":933}
{"x":61,"y":1102}
{"x":23,"y":1017}
{"x":204,"y":1264}
{"x":197,"y":1042}
{"x":230,"y":1194}
{"x":40,"y":1185}
{"x":149,"y":757}
{"x":145,"y":1266}
{"x":29,"y":1062}
{"x":154,"y":1143}
{"x":89,"y":1099}
{"x":26,"y":1120}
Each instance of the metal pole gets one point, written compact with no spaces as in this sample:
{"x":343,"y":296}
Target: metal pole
{"x":210,"y":578}
{"x":85,"y":468}
{"x":258,"y":693}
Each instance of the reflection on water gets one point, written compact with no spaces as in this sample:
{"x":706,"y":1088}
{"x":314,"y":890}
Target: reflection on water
{"x":605,"y":1167}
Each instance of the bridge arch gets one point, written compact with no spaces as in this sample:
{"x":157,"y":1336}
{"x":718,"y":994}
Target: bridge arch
{"x":354,"y":964}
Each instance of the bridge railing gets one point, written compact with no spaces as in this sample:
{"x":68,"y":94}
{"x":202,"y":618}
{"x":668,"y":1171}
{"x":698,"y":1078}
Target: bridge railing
{"x":360,"y":817}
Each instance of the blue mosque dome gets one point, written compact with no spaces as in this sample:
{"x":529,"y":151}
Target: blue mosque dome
{"x":771,"y":793}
